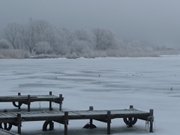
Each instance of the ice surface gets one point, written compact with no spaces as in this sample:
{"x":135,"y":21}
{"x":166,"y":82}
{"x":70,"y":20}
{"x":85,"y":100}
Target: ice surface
{"x":105,"y":83}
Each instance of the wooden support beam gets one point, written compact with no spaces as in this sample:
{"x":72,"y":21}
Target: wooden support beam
{"x":66,"y":123}
{"x":60,"y":103}
{"x":19,"y":104}
{"x":131,"y":107}
{"x":91,"y":120}
{"x":50,"y":102}
{"x":19,"y":122}
{"x":29,"y":102}
{"x":151,"y":119}
{"x":90,"y":125}
{"x":108,"y":122}
{"x":91,"y":108}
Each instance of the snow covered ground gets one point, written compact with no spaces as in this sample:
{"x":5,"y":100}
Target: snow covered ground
{"x":105,"y":83}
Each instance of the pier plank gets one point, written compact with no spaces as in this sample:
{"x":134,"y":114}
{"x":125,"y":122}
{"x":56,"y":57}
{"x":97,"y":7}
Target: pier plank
{"x":81,"y":114}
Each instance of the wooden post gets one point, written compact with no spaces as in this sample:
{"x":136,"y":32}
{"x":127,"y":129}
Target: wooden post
{"x":60,"y":103}
{"x":151,"y":120}
{"x":131,"y":107}
{"x":50,"y":102}
{"x":19,"y":122}
{"x":91,"y":120}
{"x":29,"y":102}
{"x":108,"y":122}
{"x":19,"y":105}
{"x":90,"y":125}
{"x":66,"y":123}
{"x":91,"y":108}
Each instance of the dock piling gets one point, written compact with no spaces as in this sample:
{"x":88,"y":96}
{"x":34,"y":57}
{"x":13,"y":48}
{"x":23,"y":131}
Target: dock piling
{"x":61,"y":100}
{"x":66,"y":123}
{"x":108,"y":122}
{"x":19,"y":119}
{"x":131,"y":107}
{"x":19,"y":104}
{"x":91,"y":120}
{"x":151,"y":119}
{"x":90,"y":125}
{"x":50,"y":102}
{"x":29,"y":102}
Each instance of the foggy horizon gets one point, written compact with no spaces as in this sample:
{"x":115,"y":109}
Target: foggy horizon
{"x":153,"y":20}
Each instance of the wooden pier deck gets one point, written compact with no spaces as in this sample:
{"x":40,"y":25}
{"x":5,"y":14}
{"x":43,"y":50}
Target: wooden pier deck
{"x":18,"y":100}
{"x":130,"y":117}
{"x":16,"y":117}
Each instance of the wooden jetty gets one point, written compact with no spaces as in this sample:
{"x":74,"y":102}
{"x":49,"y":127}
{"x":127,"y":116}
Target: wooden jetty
{"x":49,"y":116}
{"x":19,"y":99}
{"x":130,"y":117}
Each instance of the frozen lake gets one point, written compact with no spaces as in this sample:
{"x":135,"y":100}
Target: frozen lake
{"x":105,"y":83}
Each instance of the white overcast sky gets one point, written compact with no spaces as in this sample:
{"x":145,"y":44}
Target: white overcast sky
{"x":138,"y":19}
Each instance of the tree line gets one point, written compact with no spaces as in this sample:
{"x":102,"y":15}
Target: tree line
{"x":38,"y":38}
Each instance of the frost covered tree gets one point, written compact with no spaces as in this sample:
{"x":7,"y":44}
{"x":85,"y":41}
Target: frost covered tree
{"x":13,"y":34}
{"x":5,"y":44}
{"x":42,"y":47}
{"x":82,"y":44}
{"x":83,"y":35}
{"x":63,"y":41}
{"x":104,"y":39}
{"x":38,"y":31}
{"x":80,"y":48}
{"x":39,"y":37}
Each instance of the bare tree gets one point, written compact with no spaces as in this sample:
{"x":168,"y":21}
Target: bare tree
{"x":104,"y":39}
{"x":38,"y":31}
{"x":63,"y":41}
{"x":42,"y":47}
{"x":13,"y":34}
{"x":4,"y":44}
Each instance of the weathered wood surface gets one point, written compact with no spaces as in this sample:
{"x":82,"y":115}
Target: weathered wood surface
{"x":129,"y":116}
{"x":33,"y":98}
{"x":39,"y":115}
